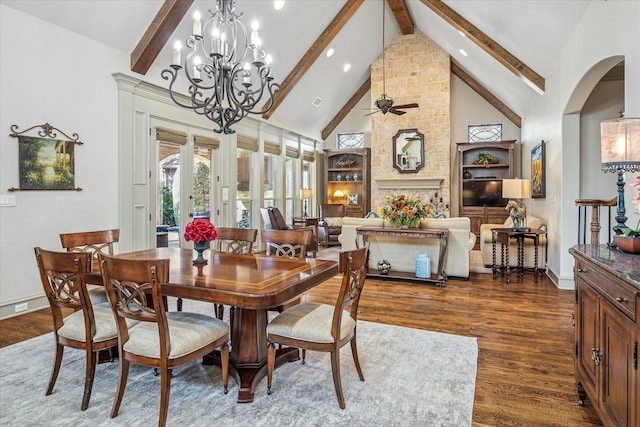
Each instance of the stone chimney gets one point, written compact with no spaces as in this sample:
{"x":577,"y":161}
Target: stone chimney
{"x":416,"y":70}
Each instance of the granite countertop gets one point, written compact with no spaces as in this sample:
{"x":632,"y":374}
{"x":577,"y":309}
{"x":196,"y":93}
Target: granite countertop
{"x":623,"y":265}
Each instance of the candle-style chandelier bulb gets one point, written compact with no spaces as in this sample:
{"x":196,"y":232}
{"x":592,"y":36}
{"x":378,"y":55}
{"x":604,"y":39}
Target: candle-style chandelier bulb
{"x":233,"y":78}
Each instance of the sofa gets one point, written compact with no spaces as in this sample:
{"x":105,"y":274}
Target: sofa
{"x":486,"y":245}
{"x":401,"y":252}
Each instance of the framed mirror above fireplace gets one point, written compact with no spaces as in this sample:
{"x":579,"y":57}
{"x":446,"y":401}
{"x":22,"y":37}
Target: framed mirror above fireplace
{"x":408,"y":151}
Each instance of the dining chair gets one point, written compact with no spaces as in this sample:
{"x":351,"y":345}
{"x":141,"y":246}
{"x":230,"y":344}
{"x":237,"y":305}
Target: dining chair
{"x":93,"y":243}
{"x":287,"y":243}
{"x":91,"y":327}
{"x":291,"y":243}
{"x":162,"y":340}
{"x":323,"y":327}
{"x":235,"y":240}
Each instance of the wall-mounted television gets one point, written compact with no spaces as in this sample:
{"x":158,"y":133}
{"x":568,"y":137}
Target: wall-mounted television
{"x":483,"y":193}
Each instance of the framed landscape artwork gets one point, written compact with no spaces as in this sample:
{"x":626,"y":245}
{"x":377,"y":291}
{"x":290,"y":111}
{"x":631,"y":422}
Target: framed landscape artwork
{"x":45,"y":162}
{"x":538,"y":183}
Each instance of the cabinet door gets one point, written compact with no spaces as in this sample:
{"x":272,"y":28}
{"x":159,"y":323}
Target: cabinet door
{"x":587,"y":337}
{"x":617,"y":340}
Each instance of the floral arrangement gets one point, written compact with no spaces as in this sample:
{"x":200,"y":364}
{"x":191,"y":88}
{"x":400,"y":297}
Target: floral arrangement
{"x":403,"y":211}
{"x":200,"y":230}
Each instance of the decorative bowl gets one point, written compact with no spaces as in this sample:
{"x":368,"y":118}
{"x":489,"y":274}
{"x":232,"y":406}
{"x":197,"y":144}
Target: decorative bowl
{"x":630,"y":245}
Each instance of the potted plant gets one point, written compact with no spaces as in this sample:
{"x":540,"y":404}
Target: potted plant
{"x":345,"y":161}
{"x":629,"y":240}
{"x":485,"y":159}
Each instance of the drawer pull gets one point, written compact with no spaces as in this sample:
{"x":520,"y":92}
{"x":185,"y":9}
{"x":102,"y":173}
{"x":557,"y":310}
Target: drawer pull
{"x":622,"y":300}
{"x":581,"y":270}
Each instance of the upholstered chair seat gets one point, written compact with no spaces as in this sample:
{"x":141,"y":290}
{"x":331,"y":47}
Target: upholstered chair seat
{"x":188,"y":332}
{"x":106,"y":328}
{"x":310,"y":322}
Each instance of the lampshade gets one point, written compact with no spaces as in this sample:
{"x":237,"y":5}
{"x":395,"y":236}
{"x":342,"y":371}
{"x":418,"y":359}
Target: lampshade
{"x":620,"y":144}
{"x":338,"y":194}
{"x":515,"y":188}
{"x":306,"y":193}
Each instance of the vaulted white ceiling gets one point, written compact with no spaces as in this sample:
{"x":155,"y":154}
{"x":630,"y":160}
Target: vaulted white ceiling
{"x":534,"y":31}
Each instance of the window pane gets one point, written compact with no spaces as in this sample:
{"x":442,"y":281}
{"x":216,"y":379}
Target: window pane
{"x":291,"y":181}
{"x":202,"y":188}
{"x":243,"y":207}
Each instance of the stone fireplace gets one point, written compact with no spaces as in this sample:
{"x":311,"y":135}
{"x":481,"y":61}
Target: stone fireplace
{"x":416,"y":70}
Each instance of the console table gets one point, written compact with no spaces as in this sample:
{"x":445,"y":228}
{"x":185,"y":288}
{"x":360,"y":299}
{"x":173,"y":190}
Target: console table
{"x":607,"y":331}
{"x":504,"y":236}
{"x":439,"y":279}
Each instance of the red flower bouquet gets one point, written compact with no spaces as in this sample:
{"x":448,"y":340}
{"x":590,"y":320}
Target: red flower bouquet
{"x":200,"y":230}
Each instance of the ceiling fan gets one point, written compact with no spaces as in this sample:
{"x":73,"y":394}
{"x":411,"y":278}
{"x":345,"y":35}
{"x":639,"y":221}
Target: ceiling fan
{"x":384,"y":104}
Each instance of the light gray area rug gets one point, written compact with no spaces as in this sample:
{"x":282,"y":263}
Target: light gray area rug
{"x":412,"y":378}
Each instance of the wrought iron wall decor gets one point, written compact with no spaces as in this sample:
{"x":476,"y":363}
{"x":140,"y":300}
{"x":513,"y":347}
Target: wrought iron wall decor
{"x":45,"y":162}
{"x":485,"y":133}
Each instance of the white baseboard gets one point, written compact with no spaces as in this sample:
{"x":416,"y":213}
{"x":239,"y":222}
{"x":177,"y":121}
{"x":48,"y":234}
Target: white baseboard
{"x":33,"y":304}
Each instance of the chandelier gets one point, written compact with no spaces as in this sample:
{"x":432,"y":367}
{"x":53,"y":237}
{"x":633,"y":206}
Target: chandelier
{"x":227,"y":71}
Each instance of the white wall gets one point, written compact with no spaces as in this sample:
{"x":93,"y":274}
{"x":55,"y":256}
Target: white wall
{"x":49,"y":75}
{"x":607,"y":29}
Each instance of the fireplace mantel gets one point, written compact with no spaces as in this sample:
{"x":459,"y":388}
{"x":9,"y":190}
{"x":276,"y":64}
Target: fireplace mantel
{"x":402,"y":183}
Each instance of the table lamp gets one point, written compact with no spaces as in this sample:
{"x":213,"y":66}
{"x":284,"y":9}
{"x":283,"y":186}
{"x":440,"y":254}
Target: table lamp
{"x":515,"y":190}
{"x":305,"y":194}
{"x":620,"y":152}
{"x":338,"y":194}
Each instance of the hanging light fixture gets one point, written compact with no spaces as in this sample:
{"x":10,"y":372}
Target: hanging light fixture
{"x":227,"y":71}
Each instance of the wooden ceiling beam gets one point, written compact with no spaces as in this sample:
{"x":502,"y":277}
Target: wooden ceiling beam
{"x":489,"y":45}
{"x":346,"y":109}
{"x":403,"y":16}
{"x":155,"y":37}
{"x":485,"y":94}
{"x":321,"y":43}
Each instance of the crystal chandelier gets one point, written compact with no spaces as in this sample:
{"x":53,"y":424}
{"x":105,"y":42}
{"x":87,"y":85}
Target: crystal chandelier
{"x":227,"y":71}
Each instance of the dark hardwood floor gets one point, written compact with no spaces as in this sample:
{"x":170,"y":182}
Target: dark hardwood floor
{"x":525,"y":340}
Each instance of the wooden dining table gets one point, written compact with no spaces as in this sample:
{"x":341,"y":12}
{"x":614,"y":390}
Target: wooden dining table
{"x":250,"y":283}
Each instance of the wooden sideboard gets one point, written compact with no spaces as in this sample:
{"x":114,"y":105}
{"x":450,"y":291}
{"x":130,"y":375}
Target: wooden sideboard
{"x":607,"y":332}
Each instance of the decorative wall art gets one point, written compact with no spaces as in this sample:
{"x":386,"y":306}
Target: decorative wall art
{"x":485,"y":133}
{"x":538,"y":183}
{"x":44,"y":161}
{"x":352,"y":199}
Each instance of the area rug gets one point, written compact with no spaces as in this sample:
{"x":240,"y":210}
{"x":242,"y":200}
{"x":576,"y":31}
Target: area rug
{"x":412,"y":378}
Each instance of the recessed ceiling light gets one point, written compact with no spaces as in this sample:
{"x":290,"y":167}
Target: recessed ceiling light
{"x":278,"y":4}
{"x":462,"y":34}
{"x":463,"y":52}
{"x":330,"y":52}
{"x":347,"y":67}
{"x":317,"y":101}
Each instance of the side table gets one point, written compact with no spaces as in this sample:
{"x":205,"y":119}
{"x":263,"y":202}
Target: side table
{"x":504,"y":236}
{"x":299,"y":222}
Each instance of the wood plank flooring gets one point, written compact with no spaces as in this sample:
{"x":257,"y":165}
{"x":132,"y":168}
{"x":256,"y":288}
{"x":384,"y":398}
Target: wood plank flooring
{"x":525,"y":340}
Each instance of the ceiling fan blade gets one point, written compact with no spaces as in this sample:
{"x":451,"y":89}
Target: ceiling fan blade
{"x":373,"y":112}
{"x":413,"y":105}
{"x":397,"y":112}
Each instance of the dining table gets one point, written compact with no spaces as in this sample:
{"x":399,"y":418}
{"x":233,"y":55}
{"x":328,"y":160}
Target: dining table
{"x":252,"y":284}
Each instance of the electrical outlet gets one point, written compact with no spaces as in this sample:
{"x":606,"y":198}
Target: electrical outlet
{"x":8,"y":200}
{"x":22,"y":307}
